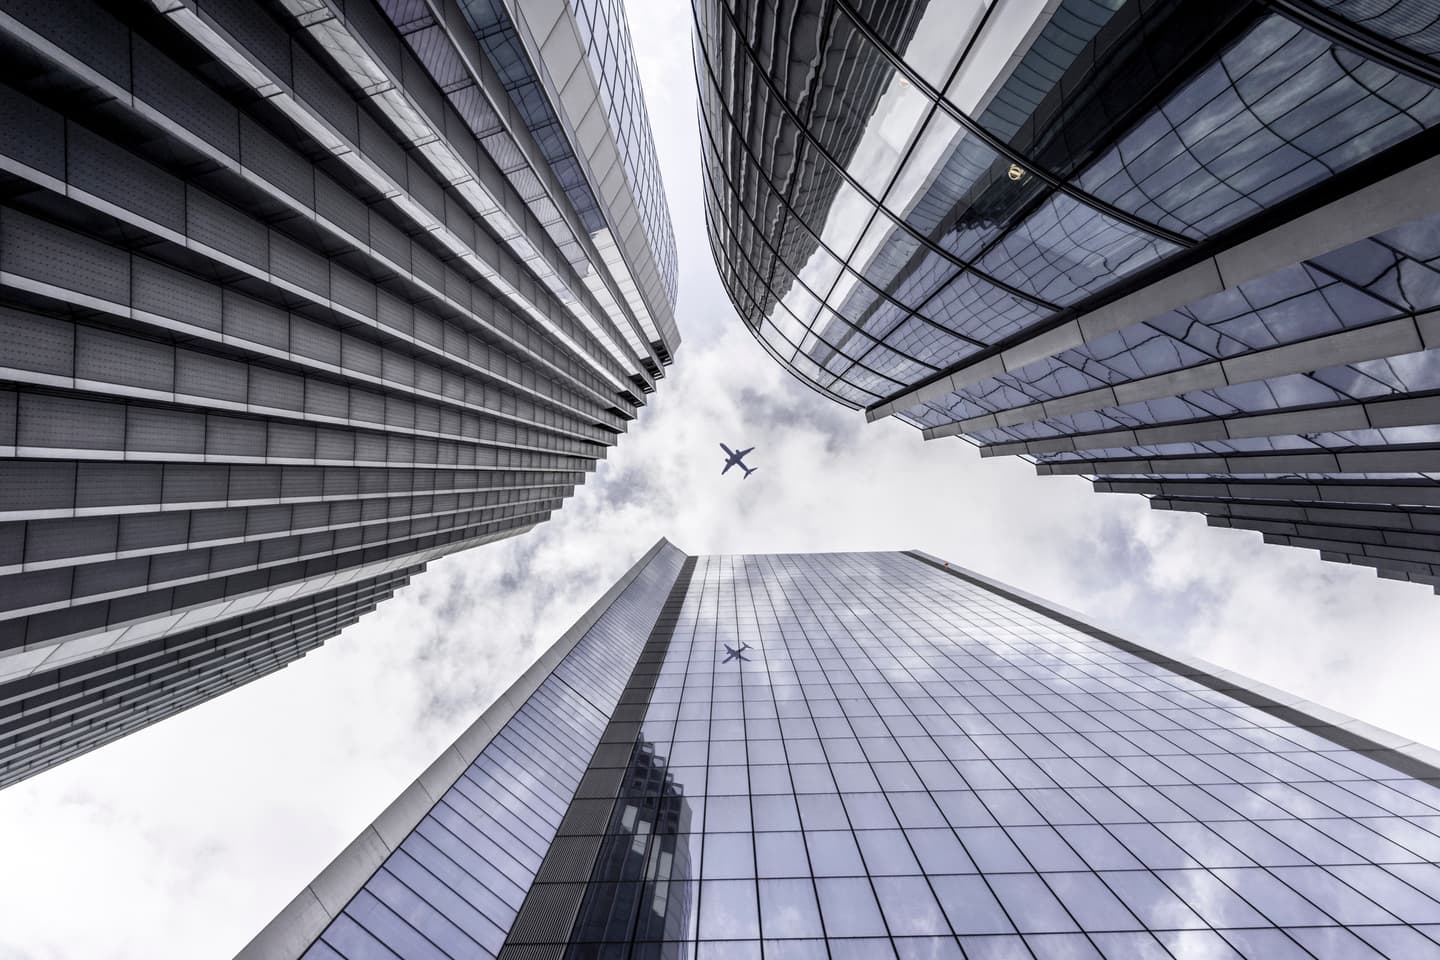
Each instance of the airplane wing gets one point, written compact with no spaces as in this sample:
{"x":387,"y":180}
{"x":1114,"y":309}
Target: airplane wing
{"x":729,"y":452}
{"x":728,"y":465}
{"x":742,"y":452}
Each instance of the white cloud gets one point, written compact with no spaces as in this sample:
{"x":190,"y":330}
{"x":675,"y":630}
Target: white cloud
{"x":183,"y":840}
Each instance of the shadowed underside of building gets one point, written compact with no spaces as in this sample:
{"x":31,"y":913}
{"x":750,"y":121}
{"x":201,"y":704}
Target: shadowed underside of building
{"x":1187,"y":250}
{"x":295,"y":297}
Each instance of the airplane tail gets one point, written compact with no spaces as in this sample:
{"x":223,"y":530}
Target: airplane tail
{"x":748,"y":471}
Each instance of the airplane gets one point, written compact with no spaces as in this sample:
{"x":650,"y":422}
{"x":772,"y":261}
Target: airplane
{"x":732,"y":653}
{"x":737,"y":458}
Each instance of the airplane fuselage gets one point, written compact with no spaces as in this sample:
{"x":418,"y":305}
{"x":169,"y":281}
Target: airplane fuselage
{"x":736,"y":458}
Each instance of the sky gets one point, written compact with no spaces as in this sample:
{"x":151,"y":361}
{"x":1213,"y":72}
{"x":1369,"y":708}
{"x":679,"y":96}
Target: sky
{"x":183,"y":840}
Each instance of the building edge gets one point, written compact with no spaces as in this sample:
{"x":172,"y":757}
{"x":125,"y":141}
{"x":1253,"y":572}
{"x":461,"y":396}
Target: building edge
{"x":306,"y":916}
{"x":1399,"y":753}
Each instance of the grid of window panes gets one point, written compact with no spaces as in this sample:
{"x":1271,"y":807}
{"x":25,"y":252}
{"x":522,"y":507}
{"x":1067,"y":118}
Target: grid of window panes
{"x":605,"y":34}
{"x":902,"y":764}
{"x":453,"y":887}
{"x":496,"y":33}
{"x":900,"y":202}
{"x":1376,"y":281}
{"x":873,"y":231}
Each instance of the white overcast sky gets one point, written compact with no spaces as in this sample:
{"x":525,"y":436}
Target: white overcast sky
{"x":183,"y":840}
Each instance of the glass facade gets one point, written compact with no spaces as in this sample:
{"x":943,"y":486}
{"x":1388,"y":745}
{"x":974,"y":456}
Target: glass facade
{"x":571,"y":62}
{"x":874,"y":755}
{"x":290,"y":305}
{"x":1175,"y":248}
{"x":611,"y":62}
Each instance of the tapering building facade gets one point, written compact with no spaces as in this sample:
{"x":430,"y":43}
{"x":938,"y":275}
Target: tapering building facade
{"x":295,"y":297}
{"x":877,"y":755}
{"x":1184,"y":249}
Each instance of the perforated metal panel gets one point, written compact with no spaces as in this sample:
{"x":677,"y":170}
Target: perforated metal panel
{"x":314,"y":85}
{"x":83,"y":29}
{"x":111,"y":484}
{"x":261,"y":37}
{"x":35,"y":342}
{"x":113,"y":173}
{"x":291,"y":441}
{"x":273,"y":388}
{"x":234,"y":437}
{"x":174,"y":294}
{"x":189,"y":482}
{"x":206,"y":375}
{"x":92,"y":579}
{"x":70,"y":423}
{"x":341,"y":207}
{"x":170,"y":88}
{"x":49,"y":253}
{"x":160,"y":431}
{"x":70,"y":537}
{"x":216,"y":367}
{"x":34,"y":134}
{"x":8,"y":413}
{"x":327,"y":399}
{"x":269,"y":158}
{"x":381,"y":148}
{"x":217,"y":224}
{"x":293,"y":262}
{"x":351,"y":291}
{"x":389,"y":241}
{"x":360,"y":355}
{"x":150,"y":530}
{"x":112,"y":357}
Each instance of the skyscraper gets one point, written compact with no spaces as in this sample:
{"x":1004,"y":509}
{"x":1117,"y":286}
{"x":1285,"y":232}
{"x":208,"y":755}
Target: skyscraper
{"x":877,"y":754}
{"x":1185,"y":249}
{"x":296,"y":297}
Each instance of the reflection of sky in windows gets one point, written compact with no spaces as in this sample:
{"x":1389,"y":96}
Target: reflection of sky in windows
{"x":1415,"y":25}
{"x":457,"y":882}
{"x":605,"y":34}
{"x":1383,"y":277}
{"x":1278,"y":110}
{"x":910,"y":766}
{"x":497,"y":35}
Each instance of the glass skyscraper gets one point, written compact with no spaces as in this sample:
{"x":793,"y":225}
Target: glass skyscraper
{"x":1185,"y":249}
{"x":878,"y":755}
{"x":296,"y":297}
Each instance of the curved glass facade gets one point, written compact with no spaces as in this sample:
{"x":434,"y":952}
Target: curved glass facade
{"x":1113,"y":236}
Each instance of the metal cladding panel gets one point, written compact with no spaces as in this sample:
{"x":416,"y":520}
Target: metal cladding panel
{"x":167,"y":292}
{"x":36,"y":343}
{"x":1141,"y":243}
{"x":36,"y":136}
{"x":42,"y":251}
{"x":197,"y":321}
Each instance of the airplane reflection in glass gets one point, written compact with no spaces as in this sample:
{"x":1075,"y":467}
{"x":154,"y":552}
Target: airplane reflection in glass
{"x":734,"y":653}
